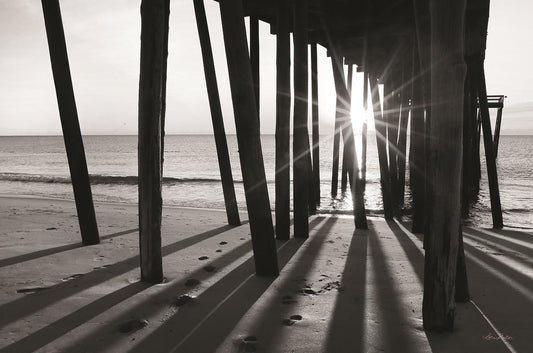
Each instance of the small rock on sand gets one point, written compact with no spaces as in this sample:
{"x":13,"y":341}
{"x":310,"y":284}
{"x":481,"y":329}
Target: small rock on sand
{"x":202,"y":258}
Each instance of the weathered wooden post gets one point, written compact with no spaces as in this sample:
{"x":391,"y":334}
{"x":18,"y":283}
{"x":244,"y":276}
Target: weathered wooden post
{"x":405,"y":94}
{"x":495,"y":204}
{"x":254,"y":59}
{"x":382,"y":148}
{"x":417,"y":154}
{"x":352,"y":167}
{"x":390,"y":111}
{"x":448,"y":71}
{"x":422,"y":24}
{"x":316,"y":131}
{"x":153,"y":36}
{"x":364,"y":132}
{"x":249,"y":142}
{"x":345,"y":162}
{"x":283,"y":107}
{"x":232,"y":211}
{"x":300,"y":134}
{"x":497,"y":128}
{"x":69,"y":122}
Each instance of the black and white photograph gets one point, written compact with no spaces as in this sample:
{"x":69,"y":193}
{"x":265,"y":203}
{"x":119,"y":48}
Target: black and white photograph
{"x":271,"y":176}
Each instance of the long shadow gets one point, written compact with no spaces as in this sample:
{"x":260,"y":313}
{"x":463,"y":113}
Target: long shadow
{"x":239,"y":283}
{"x":347,"y":327}
{"x":415,"y":257}
{"x":519,"y":255}
{"x":485,"y":287}
{"x":62,"y":326}
{"x":495,"y":241}
{"x":51,"y":251}
{"x":508,"y":272}
{"x":300,"y":269}
{"x":31,"y":303}
{"x":398,"y":331}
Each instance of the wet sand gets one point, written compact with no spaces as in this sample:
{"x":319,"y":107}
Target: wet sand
{"x":338,"y":291}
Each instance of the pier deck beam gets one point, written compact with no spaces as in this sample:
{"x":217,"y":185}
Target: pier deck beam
{"x":69,"y":122}
{"x":248,"y":138}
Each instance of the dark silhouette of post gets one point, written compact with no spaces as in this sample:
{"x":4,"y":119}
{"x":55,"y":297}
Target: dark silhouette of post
{"x":69,"y":122}
{"x":232,"y":211}
{"x":405,"y":93}
{"x":364,"y":132}
{"x":316,"y":131}
{"x":381,"y":141}
{"x":343,"y":98}
{"x":154,"y":15}
{"x":247,"y":126}
{"x":448,"y":71}
{"x":417,"y":154}
{"x":497,"y":129}
{"x":301,"y":172}
{"x":345,"y":153}
{"x":283,"y":114}
{"x":254,"y":59}
{"x":495,"y":204}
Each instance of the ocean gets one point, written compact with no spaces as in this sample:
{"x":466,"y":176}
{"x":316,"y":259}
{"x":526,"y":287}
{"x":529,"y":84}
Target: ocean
{"x":37,"y":166}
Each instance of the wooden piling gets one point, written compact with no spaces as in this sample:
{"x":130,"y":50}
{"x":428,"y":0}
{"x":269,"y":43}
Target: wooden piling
{"x":447,"y":83}
{"x":254,"y":59}
{"x":69,"y":122}
{"x":405,"y":94}
{"x":315,"y":130}
{"x":300,"y":133}
{"x":232,"y":211}
{"x":343,"y":98}
{"x":381,"y":137}
{"x":153,"y":17}
{"x":390,"y":108}
{"x":417,"y":154}
{"x":248,"y":137}
{"x":495,"y":204}
{"x":497,"y":128}
{"x":283,"y":107}
{"x":364,"y":132}
{"x":345,"y":162}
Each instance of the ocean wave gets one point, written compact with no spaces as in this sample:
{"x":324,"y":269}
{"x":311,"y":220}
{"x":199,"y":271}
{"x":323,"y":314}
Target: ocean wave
{"x":99,"y":179}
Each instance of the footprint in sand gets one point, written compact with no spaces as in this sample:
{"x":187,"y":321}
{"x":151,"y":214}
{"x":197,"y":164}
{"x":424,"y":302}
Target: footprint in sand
{"x":182,"y":300}
{"x":249,"y":343}
{"x":133,"y":325}
{"x":191,"y":282}
{"x":209,"y":268}
{"x":288,"y":300}
{"x":292,"y":320}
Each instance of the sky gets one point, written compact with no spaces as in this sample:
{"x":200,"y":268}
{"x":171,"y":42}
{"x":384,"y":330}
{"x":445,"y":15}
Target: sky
{"x":103,"y":46}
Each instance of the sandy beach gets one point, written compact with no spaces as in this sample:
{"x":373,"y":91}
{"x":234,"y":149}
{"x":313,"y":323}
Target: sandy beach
{"x":338,"y":291}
